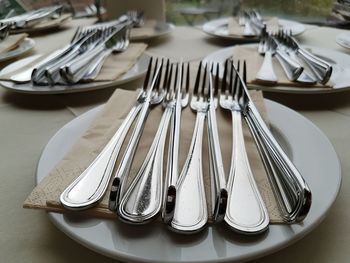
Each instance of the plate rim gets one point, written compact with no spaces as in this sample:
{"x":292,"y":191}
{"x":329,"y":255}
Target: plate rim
{"x":339,"y":42}
{"x":31,"y":45}
{"x":271,"y":249}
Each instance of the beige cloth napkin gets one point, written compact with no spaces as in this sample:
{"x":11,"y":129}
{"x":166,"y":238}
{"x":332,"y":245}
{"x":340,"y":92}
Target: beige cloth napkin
{"x":114,"y":66}
{"x":46,"y":194}
{"x":147,"y":30}
{"x":11,"y":42}
{"x":254,"y":61}
{"x":235,"y":29}
{"x":53,"y":22}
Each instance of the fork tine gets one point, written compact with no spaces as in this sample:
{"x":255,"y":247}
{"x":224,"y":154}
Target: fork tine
{"x":159,"y":80}
{"x":204,"y":79}
{"x":244,"y":72}
{"x":176,"y":74}
{"x":155,"y":69}
{"x":196,"y":84}
{"x":216,"y":84}
{"x":145,"y":83}
{"x":182,"y":75}
{"x":188,"y":78}
{"x":224,"y":77}
{"x":231,"y":85}
{"x":237,"y":83}
{"x":169,"y":79}
{"x":166,"y":71}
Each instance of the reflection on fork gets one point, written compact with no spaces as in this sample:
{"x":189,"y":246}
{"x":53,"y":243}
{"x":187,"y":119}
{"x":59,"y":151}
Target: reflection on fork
{"x":246,"y":211}
{"x":190,"y":213}
{"x":88,"y":189}
{"x":178,"y":102}
{"x":289,"y":187}
{"x":154,"y":95}
{"x":143,"y":199}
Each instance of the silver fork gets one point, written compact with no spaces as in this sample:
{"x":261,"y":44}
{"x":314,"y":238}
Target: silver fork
{"x":217,"y":173}
{"x":291,"y":68}
{"x":154,"y":96}
{"x":143,"y":199}
{"x":289,"y":187}
{"x":76,"y":68}
{"x":190,"y":212}
{"x":266,"y":72}
{"x":246,"y":211}
{"x":320,"y":68}
{"x":90,"y":186}
{"x":179,"y":102}
{"x":48,"y":72}
{"x":121,"y":45}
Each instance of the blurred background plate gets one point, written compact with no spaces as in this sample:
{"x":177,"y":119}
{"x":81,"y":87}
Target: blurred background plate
{"x":25,"y":46}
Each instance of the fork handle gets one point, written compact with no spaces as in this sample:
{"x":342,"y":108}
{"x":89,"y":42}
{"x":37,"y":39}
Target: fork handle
{"x":190,"y":214}
{"x":292,"y":191}
{"x":90,"y":186}
{"x":93,"y":71}
{"x":172,"y":173}
{"x":319,"y":67}
{"x":76,"y":69}
{"x":143,"y":199}
{"x":266,"y":72}
{"x":292,"y":68}
{"x":117,"y":189}
{"x":219,"y":191}
{"x":246,"y":211}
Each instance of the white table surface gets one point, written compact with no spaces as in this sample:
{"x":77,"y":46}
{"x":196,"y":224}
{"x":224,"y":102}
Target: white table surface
{"x":27,"y":122}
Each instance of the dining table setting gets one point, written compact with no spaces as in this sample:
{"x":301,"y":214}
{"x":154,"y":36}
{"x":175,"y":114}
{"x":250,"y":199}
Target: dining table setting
{"x":137,"y":140}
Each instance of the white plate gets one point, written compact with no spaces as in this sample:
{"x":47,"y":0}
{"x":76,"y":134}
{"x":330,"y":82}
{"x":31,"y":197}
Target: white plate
{"x":137,"y":71}
{"x":339,"y":61}
{"x":25,"y":46}
{"x":219,"y":28}
{"x":343,"y":39}
{"x":161,"y":29}
{"x":308,"y":148}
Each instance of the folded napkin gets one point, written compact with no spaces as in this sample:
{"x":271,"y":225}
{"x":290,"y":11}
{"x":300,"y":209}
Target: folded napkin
{"x":114,"y":66}
{"x":235,"y":29}
{"x":11,"y":42}
{"x":254,"y":61}
{"x":46,"y":194}
{"x":147,"y":30}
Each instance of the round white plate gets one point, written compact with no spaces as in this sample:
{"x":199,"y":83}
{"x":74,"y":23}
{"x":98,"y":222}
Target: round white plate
{"x":25,"y":46}
{"x":137,"y":71}
{"x":161,"y":29}
{"x":343,"y":39}
{"x":339,"y":61}
{"x":219,"y":28}
{"x":306,"y":145}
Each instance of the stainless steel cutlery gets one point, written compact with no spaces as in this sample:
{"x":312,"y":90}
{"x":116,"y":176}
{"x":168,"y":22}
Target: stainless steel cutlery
{"x":32,"y":18}
{"x":181,"y":198}
{"x":298,"y":64}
